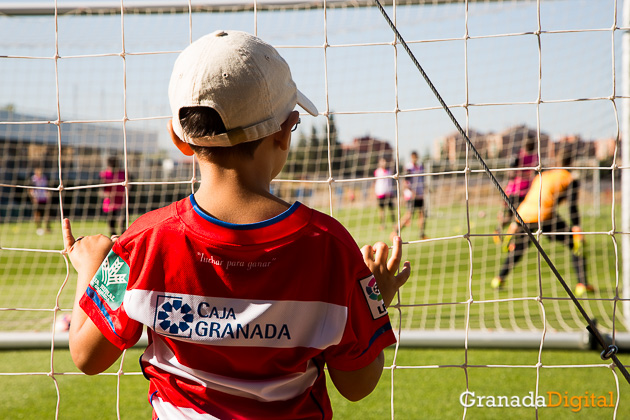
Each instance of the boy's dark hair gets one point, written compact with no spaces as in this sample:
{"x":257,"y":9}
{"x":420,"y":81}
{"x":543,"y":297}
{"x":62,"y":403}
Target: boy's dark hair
{"x":201,"y":121}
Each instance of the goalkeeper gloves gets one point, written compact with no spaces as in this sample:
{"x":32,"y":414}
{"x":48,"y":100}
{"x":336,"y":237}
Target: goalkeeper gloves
{"x":578,"y":241}
{"x":507,"y":244}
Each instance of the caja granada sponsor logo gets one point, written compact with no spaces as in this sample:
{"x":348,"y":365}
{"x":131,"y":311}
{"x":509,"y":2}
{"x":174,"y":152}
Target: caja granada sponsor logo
{"x":176,"y":318}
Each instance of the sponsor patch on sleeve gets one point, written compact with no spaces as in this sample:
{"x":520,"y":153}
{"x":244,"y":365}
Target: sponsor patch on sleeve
{"x":373,"y":297}
{"x":110,"y":281}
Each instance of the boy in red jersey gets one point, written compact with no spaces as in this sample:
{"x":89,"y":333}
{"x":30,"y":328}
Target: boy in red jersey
{"x":245,"y":297}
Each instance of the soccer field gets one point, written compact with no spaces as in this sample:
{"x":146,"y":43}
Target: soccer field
{"x":428,"y":382}
{"x":433,"y":299}
{"x":422,"y":390}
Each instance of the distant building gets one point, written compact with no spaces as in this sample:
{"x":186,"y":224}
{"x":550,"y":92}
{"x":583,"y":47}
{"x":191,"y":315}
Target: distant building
{"x":452,"y":147}
{"x":29,"y":141}
{"x":586,"y":151}
{"x":508,"y":143}
{"x":502,"y":145}
{"x":605,"y":148}
{"x":369,"y":145}
{"x":360,"y":157}
{"x":80,"y":149}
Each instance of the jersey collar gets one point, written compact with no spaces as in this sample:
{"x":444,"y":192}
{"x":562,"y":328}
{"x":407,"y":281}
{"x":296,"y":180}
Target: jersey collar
{"x":280,"y":226}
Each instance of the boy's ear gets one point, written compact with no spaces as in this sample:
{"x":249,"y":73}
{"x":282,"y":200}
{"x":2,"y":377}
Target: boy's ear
{"x":179,"y":143}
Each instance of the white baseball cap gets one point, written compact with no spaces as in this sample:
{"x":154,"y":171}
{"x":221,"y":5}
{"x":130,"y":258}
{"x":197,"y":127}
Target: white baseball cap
{"x":241,"y":77}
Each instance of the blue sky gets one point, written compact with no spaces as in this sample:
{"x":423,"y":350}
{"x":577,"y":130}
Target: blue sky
{"x":360,"y":75}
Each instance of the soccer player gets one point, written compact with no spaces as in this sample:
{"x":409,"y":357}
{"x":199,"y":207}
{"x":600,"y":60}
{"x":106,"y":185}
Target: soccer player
{"x":414,"y":193}
{"x":383,"y":192}
{"x":113,"y":195}
{"x":550,"y":188}
{"x":245,"y":297}
{"x":41,"y":199}
{"x":519,"y":182}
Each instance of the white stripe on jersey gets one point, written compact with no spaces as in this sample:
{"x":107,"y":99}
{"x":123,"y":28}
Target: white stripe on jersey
{"x":166,"y":411}
{"x":238,"y":322}
{"x":281,"y":388}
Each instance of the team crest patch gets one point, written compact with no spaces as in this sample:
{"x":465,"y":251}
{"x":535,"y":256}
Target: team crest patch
{"x":173,"y":317}
{"x":373,"y":297}
{"x":110,"y":281}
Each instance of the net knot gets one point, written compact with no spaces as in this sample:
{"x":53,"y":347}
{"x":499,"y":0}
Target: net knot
{"x":609,"y":352}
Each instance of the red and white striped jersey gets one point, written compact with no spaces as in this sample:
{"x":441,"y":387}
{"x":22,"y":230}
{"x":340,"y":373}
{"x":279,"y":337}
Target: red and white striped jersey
{"x":241,"y":318}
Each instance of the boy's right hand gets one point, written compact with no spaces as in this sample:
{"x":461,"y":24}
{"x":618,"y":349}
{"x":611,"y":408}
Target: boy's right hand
{"x":384,"y":270}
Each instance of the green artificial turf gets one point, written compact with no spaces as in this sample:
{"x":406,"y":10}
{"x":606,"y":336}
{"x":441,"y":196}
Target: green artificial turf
{"x":422,"y":390}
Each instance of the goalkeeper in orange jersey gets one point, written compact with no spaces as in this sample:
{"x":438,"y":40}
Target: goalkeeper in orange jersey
{"x":551,"y":188}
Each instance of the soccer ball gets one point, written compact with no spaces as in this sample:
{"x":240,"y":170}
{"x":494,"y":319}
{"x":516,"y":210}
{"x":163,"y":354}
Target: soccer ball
{"x":63,"y":323}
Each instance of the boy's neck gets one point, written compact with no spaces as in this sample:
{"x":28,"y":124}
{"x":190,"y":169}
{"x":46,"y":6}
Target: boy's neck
{"x":238,"y":194}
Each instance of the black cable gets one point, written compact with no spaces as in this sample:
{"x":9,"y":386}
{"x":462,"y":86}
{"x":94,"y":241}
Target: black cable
{"x":610,"y":351}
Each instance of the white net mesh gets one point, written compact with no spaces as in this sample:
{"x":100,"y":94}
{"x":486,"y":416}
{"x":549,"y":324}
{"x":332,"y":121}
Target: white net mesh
{"x":80,"y":87}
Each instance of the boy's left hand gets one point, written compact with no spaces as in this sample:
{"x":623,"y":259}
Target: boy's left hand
{"x":86,"y":253}
{"x":384,"y":270}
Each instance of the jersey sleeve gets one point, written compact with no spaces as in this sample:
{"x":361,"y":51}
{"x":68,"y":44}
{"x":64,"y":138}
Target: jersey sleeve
{"x":103,"y":302}
{"x":368,"y":329}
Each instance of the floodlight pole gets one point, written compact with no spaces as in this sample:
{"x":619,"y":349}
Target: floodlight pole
{"x":625,"y":162}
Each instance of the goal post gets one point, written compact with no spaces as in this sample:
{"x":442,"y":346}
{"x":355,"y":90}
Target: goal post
{"x":17,"y":8}
{"x":625,"y":162}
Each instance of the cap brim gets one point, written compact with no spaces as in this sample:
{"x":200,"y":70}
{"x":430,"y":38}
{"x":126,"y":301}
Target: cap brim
{"x":306,"y":104}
